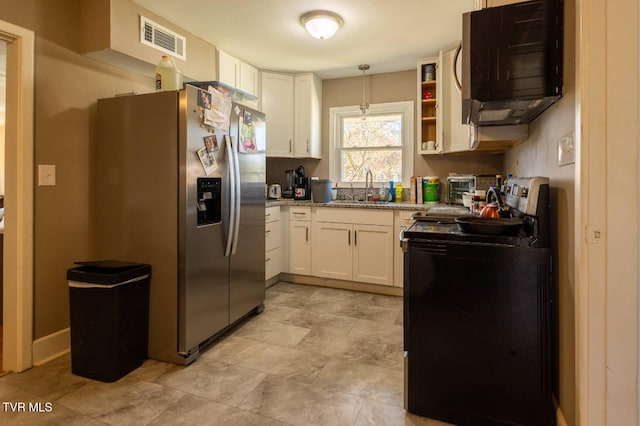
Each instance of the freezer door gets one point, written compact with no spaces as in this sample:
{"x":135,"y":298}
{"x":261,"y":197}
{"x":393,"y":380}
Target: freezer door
{"x":247,"y":288}
{"x":203,"y":267}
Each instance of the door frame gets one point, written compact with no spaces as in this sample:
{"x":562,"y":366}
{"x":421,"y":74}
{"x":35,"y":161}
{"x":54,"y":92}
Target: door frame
{"x":17,"y":310}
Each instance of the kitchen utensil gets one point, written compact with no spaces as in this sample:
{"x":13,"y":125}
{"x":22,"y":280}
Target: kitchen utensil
{"x":489,"y":226}
{"x":490,"y":210}
{"x":275,"y":191}
{"x":493,"y":197}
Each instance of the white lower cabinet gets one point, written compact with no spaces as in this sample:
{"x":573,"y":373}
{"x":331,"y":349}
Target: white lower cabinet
{"x":272,"y":242}
{"x":333,"y":250}
{"x":373,"y":254}
{"x":353,"y":245}
{"x":401,"y":219}
{"x":300,"y":240}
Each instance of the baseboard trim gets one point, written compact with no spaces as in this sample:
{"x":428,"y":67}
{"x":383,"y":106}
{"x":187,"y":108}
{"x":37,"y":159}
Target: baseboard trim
{"x":560,"y":420}
{"x":52,"y":346}
{"x":345,"y":285}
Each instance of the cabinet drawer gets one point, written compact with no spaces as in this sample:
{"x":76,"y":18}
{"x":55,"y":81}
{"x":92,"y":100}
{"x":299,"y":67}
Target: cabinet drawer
{"x":272,"y":235}
{"x":272,"y":263}
{"x":272,"y":214}
{"x":300,"y":213}
{"x":356,"y":216}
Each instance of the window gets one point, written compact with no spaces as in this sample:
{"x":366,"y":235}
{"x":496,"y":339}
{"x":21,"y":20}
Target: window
{"x":382,"y":143}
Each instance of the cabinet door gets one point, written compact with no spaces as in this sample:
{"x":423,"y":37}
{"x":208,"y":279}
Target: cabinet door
{"x":227,"y":69}
{"x":456,"y":134}
{"x":307,"y":91}
{"x":277,"y":103}
{"x":332,"y":250}
{"x":300,"y":248}
{"x":373,"y":254}
{"x":248,"y":79}
{"x":402,"y":219}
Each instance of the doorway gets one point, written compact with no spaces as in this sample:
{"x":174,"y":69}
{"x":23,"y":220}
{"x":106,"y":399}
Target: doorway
{"x":17,"y":256}
{"x":3,"y":85}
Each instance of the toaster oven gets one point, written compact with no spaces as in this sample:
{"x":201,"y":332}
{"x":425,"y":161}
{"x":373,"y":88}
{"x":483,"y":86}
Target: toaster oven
{"x":459,"y":184}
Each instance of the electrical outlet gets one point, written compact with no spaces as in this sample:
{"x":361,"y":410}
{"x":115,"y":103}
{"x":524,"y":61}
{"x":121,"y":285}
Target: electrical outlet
{"x":566,"y":150}
{"x":46,"y":175}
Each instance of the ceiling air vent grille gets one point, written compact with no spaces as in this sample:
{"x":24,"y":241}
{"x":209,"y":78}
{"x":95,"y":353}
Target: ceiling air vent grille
{"x":155,"y":35}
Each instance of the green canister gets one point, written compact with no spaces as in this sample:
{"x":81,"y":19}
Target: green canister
{"x":431,"y":189}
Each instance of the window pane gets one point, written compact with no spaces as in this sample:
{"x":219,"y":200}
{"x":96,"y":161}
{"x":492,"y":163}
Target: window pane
{"x":376,"y":130}
{"x":384,"y":164}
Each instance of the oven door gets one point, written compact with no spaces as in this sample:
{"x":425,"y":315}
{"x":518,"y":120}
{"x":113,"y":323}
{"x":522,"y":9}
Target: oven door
{"x":478,"y":333}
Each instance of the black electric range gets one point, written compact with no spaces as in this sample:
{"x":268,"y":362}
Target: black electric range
{"x":479,"y":324}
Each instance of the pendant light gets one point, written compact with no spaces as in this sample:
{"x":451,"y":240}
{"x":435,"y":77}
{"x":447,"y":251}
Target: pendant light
{"x":364,"y":106}
{"x":321,"y":24}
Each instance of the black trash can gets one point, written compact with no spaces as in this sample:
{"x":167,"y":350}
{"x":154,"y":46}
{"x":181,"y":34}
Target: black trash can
{"x":109,"y":318}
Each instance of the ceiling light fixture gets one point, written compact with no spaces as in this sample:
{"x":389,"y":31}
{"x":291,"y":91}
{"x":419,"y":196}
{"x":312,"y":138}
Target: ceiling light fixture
{"x":321,"y":24}
{"x":364,"y":106}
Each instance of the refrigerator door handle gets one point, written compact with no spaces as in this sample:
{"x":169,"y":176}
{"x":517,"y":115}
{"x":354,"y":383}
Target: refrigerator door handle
{"x":236,"y":168}
{"x":232,"y":195}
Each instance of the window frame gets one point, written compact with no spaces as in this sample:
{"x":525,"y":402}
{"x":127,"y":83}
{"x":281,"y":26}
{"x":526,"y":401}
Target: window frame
{"x":336,"y":115}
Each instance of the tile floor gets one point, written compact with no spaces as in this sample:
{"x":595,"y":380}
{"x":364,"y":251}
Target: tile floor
{"x":315,"y":356}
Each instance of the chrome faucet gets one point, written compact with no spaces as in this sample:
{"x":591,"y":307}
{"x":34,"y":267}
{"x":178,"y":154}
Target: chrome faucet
{"x":368,"y":185}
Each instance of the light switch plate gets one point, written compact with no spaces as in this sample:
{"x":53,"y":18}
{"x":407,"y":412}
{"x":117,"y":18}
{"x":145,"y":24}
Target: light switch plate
{"x":566,"y":150}
{"x":46,"y":175}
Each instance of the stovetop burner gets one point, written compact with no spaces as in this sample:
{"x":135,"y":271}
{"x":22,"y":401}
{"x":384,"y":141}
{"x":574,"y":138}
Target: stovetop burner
{"x":528,"y":199}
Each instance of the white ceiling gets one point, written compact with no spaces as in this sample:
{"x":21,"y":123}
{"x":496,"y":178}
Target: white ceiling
{"x":388,"y":35}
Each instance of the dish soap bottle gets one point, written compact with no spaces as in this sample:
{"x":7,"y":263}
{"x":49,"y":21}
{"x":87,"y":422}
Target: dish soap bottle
{"x":392,"y":192}
{"x":398,"y":193}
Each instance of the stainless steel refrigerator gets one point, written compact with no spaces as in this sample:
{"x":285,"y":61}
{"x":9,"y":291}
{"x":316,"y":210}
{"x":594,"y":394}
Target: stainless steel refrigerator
{"x":171,"y":190}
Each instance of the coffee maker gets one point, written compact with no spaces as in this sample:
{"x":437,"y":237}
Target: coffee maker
{"x":303,"y":185}
{"x":290,"y":184}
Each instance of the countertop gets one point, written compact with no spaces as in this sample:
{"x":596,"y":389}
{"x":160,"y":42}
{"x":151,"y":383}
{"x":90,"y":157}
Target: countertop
{"x":439,"y":208}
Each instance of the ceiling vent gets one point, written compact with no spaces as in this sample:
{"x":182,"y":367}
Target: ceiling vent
{"x":163,"y":39}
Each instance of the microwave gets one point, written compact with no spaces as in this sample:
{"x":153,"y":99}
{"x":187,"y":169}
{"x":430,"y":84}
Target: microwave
{"x":459,"y":184}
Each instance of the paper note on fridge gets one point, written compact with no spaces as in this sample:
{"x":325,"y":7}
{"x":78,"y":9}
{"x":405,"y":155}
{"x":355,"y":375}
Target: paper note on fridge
{"x":220,"y":112}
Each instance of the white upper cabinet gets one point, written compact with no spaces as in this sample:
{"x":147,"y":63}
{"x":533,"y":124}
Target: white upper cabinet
{"x":276,"y":100}
{"x":235,"y":73}
{"x":292,"y":104}
{"x":308,"y":100}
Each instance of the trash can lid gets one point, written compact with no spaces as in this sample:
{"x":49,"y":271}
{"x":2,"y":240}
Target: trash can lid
{"x":107,"y":271}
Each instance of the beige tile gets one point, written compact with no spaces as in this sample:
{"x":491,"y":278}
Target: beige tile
{"x":275,"y":313}
{"x":356,"y":309}
{"x":345,"y":295}
{"x":36,"y":410}
{"x":380,"y":384}
{"x":374,"y":413}
{"x":276,"y":360}
{"x":377,"y":331}
{"x":227,"y":348}
{"x":151,"y":369}
{"x":49,"y":381}
{"x":309,"y":302}
{"x":335,"y":344}
{"x":128,"y":401}
{"x":317,"y":320}
{"x":400,"y":318}
{"x":193,"y":410}
{"x":391,"y":302}
{"x":268,"y":332}
{"x":300,"y":404}
{"x":212,"y":379}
